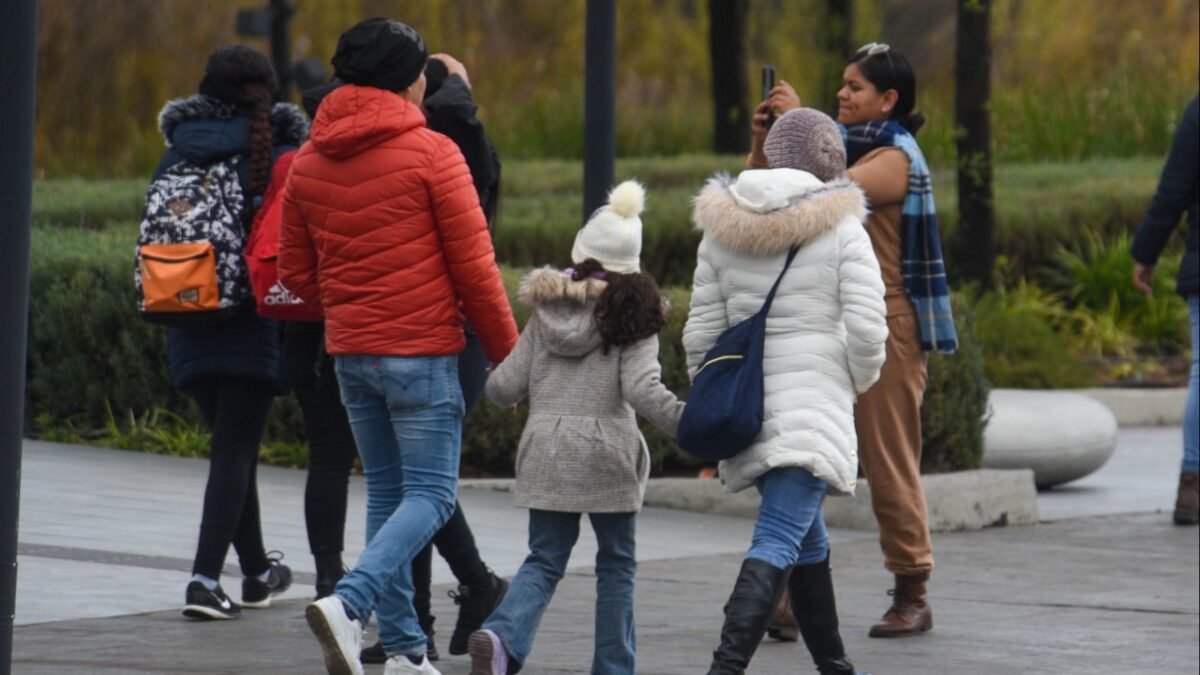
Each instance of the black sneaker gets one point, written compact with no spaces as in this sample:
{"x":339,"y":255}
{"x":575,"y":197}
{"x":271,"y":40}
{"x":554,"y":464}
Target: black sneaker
{"x":257,"y":594}
{"x":475,"y":605}
{"x":205,"y":604}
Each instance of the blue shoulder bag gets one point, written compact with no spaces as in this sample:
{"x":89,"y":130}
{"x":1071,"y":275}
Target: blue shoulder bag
{"x":724,"y":410}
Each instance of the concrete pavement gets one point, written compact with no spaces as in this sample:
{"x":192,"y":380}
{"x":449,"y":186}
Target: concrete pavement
{"x":1108,"y":587}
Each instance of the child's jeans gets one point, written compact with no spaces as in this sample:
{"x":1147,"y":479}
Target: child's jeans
{"x":552,"y":535}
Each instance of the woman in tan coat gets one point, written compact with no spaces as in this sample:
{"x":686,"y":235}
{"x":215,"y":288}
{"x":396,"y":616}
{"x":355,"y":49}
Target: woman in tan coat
{"x":875,"y":109}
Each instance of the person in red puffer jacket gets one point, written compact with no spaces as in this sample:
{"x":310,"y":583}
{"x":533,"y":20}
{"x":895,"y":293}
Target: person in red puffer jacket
{"x":382,"y":228}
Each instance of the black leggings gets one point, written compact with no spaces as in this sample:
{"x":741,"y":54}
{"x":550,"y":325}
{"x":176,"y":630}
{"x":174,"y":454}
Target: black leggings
{"x":235,"y":410}
{"x":331,"y":456}
{"x":455,"y":541}
{"x":331,"y":449}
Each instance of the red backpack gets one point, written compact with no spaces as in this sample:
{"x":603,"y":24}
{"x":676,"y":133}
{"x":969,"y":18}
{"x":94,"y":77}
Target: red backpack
{"x":273,"y":299}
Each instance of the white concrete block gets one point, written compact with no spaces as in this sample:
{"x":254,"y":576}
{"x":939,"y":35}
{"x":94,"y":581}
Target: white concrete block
{"x":1060,"y":435}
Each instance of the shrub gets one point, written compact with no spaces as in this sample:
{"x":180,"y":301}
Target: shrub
{"x":88,"y":351}
{"x":97,"y":373}
{"x":1115,"y":317}
{"x":87,"y":204}
{"x":1020,"y":344}
{"x":90,"y":357}
{"x":954,"y":412}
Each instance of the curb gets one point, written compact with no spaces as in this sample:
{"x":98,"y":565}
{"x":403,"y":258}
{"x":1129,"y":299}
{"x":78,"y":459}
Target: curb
{"x":1141,"y":407}
{"x":963,"y":500}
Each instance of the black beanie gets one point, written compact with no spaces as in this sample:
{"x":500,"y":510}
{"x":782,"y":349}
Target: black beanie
{"x":382,"y":53}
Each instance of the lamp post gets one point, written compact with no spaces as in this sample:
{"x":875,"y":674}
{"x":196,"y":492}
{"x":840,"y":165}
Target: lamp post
{"x":599,"y":104}
{"x":273,"y":21}
{"x":18,"y":53}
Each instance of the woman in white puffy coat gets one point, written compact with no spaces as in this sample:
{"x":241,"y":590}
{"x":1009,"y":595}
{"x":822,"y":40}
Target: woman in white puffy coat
{"x":825,"y":339}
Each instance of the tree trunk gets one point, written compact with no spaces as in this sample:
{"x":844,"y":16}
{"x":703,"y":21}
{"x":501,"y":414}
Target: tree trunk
{"x":839,"y":44}
{"x":972,"y":118}
{"x":727,"y":47}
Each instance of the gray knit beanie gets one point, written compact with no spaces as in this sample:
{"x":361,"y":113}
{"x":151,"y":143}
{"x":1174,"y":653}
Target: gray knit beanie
{"x":809,"y":140}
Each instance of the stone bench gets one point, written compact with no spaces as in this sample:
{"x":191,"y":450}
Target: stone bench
{"x":1061,"y":435}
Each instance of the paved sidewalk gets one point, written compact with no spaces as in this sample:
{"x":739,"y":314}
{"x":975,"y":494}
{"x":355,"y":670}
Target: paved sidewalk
{"x":106,"y":541}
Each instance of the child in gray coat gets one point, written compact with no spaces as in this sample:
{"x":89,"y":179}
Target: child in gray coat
{"x":587,"y":360}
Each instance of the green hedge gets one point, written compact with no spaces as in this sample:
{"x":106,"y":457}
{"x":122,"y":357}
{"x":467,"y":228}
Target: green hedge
{"x":89,"y":354}
{"x":1040,"y":208}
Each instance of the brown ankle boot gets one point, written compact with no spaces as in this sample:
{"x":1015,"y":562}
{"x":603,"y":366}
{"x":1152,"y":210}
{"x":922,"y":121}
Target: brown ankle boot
{"x":783,"y":626}
{"x":910,"y":613}
{"x":1187,"y":500}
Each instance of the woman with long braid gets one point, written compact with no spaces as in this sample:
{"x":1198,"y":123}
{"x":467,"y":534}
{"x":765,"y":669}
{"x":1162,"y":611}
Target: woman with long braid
{"x":231,"y":369}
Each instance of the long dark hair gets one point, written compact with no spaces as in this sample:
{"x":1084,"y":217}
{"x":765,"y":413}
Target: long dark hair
{"x":890,"y":70}
{"x":629,"y":310}
{"x":245,"y":78}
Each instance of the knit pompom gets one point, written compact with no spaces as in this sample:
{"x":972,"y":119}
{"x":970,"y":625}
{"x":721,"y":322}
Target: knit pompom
{"x":626,"y":199}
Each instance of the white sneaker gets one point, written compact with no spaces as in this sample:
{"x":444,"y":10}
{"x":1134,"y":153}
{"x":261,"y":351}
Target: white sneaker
{"x":400,"y":665}
{"x":339,"y":635}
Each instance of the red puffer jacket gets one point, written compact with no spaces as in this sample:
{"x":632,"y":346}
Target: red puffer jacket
{"x":382,"y":227}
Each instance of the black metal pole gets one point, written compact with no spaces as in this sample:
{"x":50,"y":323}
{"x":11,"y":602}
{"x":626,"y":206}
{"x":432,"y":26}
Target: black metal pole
{"x":281,"y":46}
{"x":599,"y":104}
{"x":18,"y":55}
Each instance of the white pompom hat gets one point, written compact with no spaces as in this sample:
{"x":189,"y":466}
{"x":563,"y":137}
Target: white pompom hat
{"x":613,"y":235}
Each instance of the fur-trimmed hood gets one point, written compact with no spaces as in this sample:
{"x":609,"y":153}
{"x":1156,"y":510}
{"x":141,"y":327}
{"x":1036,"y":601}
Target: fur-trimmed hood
{"x":289,"y":126}
{"x":564,"y":309}
{"x":547,"y":284}
{"x":774,"y":210}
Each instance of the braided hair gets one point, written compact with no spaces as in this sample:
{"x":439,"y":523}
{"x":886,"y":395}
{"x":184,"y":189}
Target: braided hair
{"x":629,"y":310}
{"x":245,"y":78}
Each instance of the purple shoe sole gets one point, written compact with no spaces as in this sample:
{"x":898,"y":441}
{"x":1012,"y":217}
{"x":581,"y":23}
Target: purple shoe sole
{"x":488,"y":656}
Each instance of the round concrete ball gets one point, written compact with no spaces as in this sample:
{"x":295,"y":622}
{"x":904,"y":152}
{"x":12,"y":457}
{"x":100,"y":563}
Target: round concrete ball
{"x":1062,"y":436}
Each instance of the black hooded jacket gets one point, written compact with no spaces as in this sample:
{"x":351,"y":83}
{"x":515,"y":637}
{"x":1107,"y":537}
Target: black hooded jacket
{"x":1177,"y":191}
{"x":450,"y":111}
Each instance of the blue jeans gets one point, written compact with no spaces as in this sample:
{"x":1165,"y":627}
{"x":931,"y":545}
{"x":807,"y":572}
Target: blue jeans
{"x":552,"y":535}
{"x":791,"y":524}
{"x":406,"y":413}
{"x":1191,"y":414}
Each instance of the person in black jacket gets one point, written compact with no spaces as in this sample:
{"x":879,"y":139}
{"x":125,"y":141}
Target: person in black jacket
{"x":1177,"y":191}
{"x":450,"y":111}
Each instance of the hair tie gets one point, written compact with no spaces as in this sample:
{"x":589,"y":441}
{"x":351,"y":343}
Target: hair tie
{"x":570,"y":272}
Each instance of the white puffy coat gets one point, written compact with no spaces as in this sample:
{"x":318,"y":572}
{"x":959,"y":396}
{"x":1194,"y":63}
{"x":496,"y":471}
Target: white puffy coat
{"x":826,"y":329}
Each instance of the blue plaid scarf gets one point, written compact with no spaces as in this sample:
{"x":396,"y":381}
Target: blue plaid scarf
{"x":921,"y":263}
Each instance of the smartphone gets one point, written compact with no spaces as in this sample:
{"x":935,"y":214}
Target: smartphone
{"x":768,"y":83}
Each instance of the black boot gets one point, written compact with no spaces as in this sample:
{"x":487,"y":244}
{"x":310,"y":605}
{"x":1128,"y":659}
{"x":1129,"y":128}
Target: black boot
{"x":811,"y":588}
{"x":746,"y":616}
{"x":475,"y":604}
{"x":426,"y":622}
{"x":329,"y":571}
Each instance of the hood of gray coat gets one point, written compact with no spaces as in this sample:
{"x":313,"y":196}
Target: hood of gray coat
{"x":808,"y":213}
{"x":565,"y":310}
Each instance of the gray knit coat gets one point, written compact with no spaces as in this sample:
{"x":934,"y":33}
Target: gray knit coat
{"x":581,"y":451}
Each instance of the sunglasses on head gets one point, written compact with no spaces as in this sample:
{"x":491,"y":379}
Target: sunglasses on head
{"x":874,"y":48}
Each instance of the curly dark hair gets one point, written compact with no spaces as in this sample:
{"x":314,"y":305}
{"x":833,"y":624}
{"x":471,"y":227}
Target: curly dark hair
{"x":631,"y":307}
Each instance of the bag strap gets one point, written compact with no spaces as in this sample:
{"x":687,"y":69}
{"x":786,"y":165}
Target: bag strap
{"x":771,"y":295}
